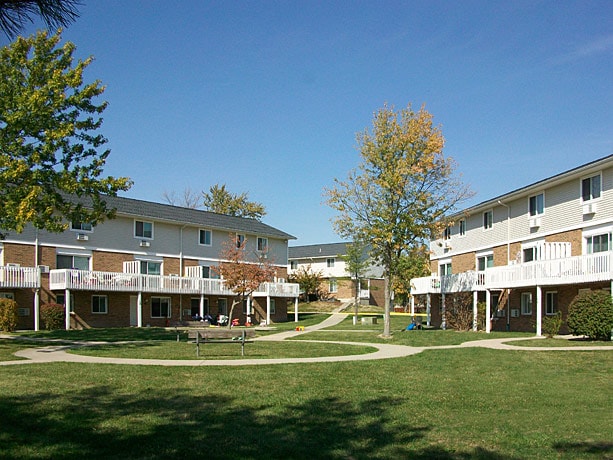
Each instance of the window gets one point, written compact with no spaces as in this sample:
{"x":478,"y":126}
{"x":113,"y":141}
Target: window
{"x":526,"y":303}
{"x":598,"y":243}
{"x":273,"y":306}
{"x":7,"y":295}
{"x":445,"y":269}
{"x":484,"y":262}
{"x":195,"y":306}
{"x":206,"y":271}
{"x":262,"y":244}
{"x":330,"y":263}
{"x":143,"y":229}
{"x":590,"y":188}
{"x":70,"y":262}
{"x":551,"y":303}
{"x":447,"y":233}
{"x":81,"y":227}
{"x":222,"y":306}
{"x":529,"y":254}
{"x":537,"y":204}
{"x":462,"y":227}
{"x":333,"y":285}
{"x":488,"y":219}
{"x":61,"y":299}
{"x":160,"y":307}
{"x":293,"y":264}
{"x":240,"y":239}
{"x":99,"y":304}
{"x":205,"y":237}
{"x":150,"y":268}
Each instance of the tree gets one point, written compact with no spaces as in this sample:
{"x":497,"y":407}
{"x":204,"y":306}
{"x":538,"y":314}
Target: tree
{"x":400,"y":194}
{"x":308,"y":280}
{"x":411,"y":264}
{"x":241,"y":275}
{"x":48,"y":144}
{"x":221,"y":201}
{"x":356,"y":262}
{"x":189,"y":199}
{"x":56,"y":13}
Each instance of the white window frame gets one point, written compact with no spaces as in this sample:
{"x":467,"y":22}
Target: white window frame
{"x":551,"y":308}
{"x":106,"y":304}
{"x":144,"y":223}
{"x":205,"y":231}
{"x":526,"y":303}
{"x":293,"y":264}
{"x":487,"y":256}
{"x":488,"y":224}
{"x":447,"y":233}
{"x":591,"y":197}
{"x":161,"y":299}
{"x":462,"y":227}
{"x":240,"y":239}
{"x":273,"y":306}
{"x":222,"y":306}
{"x":262,"y":244}
{"x":330,"y":262}
{"x":83,"y":227}
{"x":88,"y":257}
{"x":537,"y":211}
{"x":448,"y":268}
{"x":332,"y":285}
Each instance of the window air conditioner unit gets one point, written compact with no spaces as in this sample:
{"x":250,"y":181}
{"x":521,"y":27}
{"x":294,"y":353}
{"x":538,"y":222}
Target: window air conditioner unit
{"x":82,"y":237}
{"x":145,"y":244}
{"x":515,"y":313}
{"x":13,"y":265}
{"x":446,"y":245}
{"x":589,"y":208}
{"x":44,"y":268}
{"x":535,"y":222}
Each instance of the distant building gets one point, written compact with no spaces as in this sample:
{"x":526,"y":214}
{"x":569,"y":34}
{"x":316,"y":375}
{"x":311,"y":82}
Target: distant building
{"x":328,"y":259}
{"x":151,"y":265}
{"x":526,"y":253}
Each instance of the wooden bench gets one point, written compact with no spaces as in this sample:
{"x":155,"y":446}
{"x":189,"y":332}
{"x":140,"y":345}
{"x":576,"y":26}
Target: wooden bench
{"x":221,"y":335}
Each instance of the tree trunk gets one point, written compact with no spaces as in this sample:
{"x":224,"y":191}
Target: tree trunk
{"x":388,"y":301}
{"x":235,"y":302}
{"x":355,"y":305}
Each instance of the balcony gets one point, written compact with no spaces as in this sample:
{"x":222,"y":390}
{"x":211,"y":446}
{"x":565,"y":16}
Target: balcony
{"x":569,"y":270}
{"x":16,"y":277}
{"x":84,"y":280}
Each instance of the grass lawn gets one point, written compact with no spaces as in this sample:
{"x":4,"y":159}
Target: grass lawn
{"x":446,"y":404}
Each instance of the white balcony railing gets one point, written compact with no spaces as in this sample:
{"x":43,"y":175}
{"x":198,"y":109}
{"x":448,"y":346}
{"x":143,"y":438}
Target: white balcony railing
{"x":134,"y":282}
{"x":570,"y":270}
{"x":19,"y":277}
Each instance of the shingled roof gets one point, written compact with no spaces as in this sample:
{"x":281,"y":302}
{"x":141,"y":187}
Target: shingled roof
{"x":194,"y":217}
{"x":317,"y":250}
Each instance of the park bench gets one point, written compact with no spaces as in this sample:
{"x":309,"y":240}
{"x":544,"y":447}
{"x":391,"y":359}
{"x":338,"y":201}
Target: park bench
{"x":221,"y":335}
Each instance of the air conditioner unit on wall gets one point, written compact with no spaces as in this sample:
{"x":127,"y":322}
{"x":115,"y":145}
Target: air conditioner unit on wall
{"x":145,"y":244}
{"x":589,"y":208}
{"x":82,"y":237}
{"x":535,"y":222}
{"x":515,"y":313}
{"x":44,"y":268}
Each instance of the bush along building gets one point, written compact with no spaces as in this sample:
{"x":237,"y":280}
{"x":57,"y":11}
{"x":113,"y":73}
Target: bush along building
{"x":153,"y":265}
{"x":525,"y":254}
{"x":337,"y":283}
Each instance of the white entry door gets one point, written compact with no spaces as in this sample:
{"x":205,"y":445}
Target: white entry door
{"x":133,"y":310}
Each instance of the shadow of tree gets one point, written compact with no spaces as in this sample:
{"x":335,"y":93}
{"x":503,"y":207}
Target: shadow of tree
{"x":605,"y":449}
{"x":100,"y":422}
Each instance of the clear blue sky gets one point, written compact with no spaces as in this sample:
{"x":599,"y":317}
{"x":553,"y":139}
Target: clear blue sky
{"x":267,"y":96}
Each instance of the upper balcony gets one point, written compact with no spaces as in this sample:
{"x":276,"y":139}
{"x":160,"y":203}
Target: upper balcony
{"x":569,"y":270}
{"x":15,"y":277}
{"x":85,"y":280}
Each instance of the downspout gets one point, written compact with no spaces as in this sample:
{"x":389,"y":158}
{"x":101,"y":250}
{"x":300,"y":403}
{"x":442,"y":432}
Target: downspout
{"x":37,"y":290}
{"x":180,"y":318}
{"x":508,"y":260}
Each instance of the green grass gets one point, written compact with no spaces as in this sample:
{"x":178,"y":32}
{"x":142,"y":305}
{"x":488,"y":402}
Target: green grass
{"x":8,"y":347}
{"x":575,"y":342}
{"x":185,"y":350}
{"x":447,"y":404}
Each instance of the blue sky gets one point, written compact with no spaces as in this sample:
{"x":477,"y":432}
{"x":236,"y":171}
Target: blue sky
{"x":267,"y":96}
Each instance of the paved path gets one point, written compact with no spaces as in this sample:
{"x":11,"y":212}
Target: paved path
{"x":59,"y":353}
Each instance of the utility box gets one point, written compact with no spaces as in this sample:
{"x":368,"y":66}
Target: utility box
{"x":367,"y":320}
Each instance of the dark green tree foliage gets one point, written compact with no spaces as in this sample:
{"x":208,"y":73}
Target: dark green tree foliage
{"x":8,"y":315}
{"x":591,"y":314}
{"x":14,"y":14}
{"x":49,"y":145}
{"x":52,"y":316}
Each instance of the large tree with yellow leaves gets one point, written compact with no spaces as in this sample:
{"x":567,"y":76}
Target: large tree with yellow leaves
{"x":401,"y":192}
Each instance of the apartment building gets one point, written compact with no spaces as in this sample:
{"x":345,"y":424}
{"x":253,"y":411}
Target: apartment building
{"x":526,"y":253}
{"x":337,"y":281}
{"x":150,"y":266}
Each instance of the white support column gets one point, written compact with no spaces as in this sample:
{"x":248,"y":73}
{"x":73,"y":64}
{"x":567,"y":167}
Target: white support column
{"x":68,"y":308}
{"x":267,"y":310}
{"x":475,"y":310}
{"x":443,"y":313}
{"x":539,"y":311}
{"x":249,"y":310}
{"x":296,"y":309}
{"x":201,"y":305}
{"x":139,"y":310}
{"x":412,"y":305}
{"x":428,"y":308}
{"x":37,"y":310}
{"x":488,"y":311}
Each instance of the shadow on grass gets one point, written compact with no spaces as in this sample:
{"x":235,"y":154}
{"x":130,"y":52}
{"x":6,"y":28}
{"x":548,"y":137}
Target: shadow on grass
{"x":603,"y":449}
{"x":99,"y":422}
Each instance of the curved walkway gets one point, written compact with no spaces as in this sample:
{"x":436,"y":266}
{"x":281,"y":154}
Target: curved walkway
{"x":59,"y":353}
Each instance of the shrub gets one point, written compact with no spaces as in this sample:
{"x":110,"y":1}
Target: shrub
{"x":552,"y":324}
{"x":459,"y":311}
{"x":591,"y":314}
{"x":52,"y":315}
{"x":8,"y":315}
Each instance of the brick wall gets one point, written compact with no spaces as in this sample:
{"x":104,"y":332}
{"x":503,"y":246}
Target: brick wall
{"x":572,"y":237}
